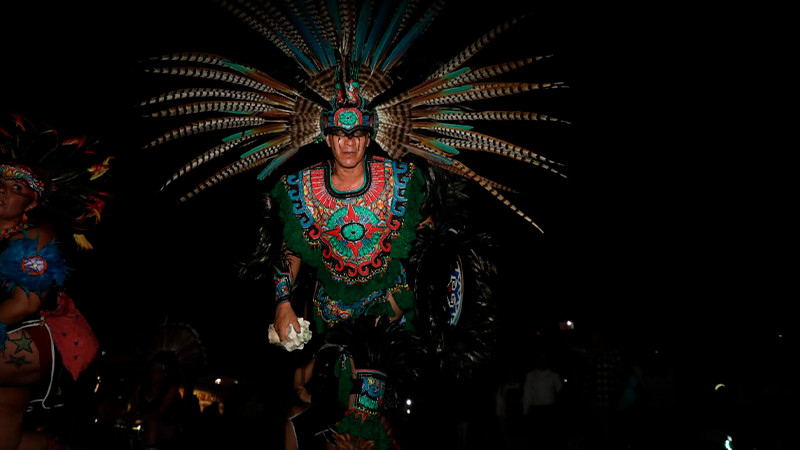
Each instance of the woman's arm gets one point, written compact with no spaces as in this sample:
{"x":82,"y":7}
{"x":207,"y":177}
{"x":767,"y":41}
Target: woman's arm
{"x":19,"y":305}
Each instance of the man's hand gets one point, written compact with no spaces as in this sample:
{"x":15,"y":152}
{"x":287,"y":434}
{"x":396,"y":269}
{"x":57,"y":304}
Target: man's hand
{"x":284,"y":318}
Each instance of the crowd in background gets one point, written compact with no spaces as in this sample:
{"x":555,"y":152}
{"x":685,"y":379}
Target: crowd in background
{"x":604,"y":395}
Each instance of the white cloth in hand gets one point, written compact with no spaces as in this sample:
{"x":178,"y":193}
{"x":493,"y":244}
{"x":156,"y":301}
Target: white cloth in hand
{"x":296,"y":341}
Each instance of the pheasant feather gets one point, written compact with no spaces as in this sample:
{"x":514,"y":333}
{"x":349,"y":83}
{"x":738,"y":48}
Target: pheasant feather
{"x":218,"y":151}
{"x":204,"y":126}
{"x":473,"y":49}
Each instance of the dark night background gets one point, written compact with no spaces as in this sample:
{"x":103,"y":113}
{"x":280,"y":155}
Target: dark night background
{"x":673,"y":231}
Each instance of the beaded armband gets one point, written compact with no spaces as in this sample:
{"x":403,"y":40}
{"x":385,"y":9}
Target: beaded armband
{"x":283,"y":280}
{"x":283,"y":286}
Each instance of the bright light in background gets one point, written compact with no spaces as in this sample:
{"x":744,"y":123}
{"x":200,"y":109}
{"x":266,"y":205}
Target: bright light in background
{"x":566,"y":325}
{"x":408,"y":406}
{"x":225,"y":381}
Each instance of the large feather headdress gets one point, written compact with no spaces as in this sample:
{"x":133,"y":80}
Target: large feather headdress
{"x":265,"y":121}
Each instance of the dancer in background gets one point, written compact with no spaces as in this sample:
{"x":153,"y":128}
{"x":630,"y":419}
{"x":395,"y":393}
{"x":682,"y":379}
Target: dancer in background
{"x":157,"y":402}
{"x":541,"y":389}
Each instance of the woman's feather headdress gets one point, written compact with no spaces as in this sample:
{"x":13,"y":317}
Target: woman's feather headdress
{"x":347,"y":42}
{"x":72,"y":170}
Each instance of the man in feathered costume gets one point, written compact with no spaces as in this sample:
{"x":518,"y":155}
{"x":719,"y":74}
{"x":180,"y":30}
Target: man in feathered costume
{"x":401,"y":285}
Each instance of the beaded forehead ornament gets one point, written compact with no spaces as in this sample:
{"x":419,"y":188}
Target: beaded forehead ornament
{"x":19,"y":172}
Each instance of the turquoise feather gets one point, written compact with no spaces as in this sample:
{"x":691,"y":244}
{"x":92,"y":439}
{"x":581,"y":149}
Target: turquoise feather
{"x":326,"y":48}
{"x":258,"y":148}
{"x":333,"y":7}
{"x":267,"y":171}
{"x":377,"y":29}
{"x":409,"y":38}
{"x":299,"y":56}
{"x":238,"y":135}
{"x":359,"y":52}
{"x":441,"y":159}
{"x":311,"y":37}
{"x":443,"y":147}
{"x":389,"y":34}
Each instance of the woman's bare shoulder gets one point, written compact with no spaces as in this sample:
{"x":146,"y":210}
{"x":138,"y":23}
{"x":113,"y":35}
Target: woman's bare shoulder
{"x":44,"y":234}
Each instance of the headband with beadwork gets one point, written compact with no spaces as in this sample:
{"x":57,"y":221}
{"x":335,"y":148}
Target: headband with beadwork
{"x":23,"y":173}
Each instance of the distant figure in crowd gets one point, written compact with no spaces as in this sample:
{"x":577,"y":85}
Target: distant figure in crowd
{"x":508,"y":407}
{"x":603,"y":382}
{"x":157,"y":402}
{"x":541,"y":391}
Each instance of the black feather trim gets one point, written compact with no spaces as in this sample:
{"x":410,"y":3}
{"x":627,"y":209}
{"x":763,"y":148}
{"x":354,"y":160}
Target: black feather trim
{"x":385,"y":346}
{"x":260,"y":265}
{"x":458,"y":345}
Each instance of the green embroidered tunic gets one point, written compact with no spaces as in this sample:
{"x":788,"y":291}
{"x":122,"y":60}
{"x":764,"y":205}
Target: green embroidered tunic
{"x":355,"y":240}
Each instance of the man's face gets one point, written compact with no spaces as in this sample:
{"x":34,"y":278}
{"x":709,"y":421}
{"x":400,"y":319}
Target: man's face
{"x":348,"y":149}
